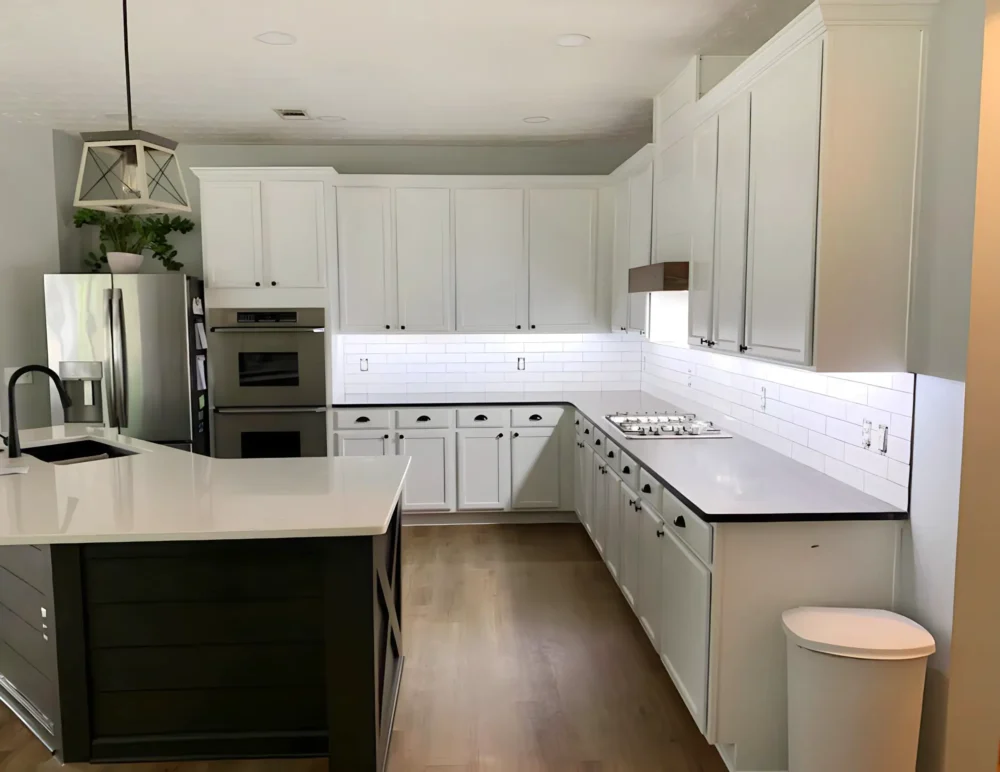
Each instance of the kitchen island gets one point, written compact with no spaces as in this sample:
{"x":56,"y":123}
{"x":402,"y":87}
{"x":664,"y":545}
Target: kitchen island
{"x":163,"y":605}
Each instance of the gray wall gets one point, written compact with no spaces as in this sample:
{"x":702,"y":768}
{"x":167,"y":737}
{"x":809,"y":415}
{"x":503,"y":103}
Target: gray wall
{"x":29,"y":249}
{"x":582,"y":157}
{"x":66,"y":150}
{"x":939,"y":320}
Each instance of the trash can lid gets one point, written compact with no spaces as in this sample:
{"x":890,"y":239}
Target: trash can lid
{"x":859,"y":633}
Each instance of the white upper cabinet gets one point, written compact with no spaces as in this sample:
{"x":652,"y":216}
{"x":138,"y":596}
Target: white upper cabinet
{"x":294,"y":219}
{"x":632,"y":238}
{"x":425,"y":289}
{"x":264,"y":227}
{"x":620,"y":260}
{"x":706,"y":145}
{"x":364,"y":239}
{"x":784,"y":168}
{"x":672,"y":198}
{"x":731,"y":223}
{"x":640,"y":240}
{"x":536,"y":465}
{"x":562,"y":252}
{"x":231,"y":237}
{"x":490,"y":260}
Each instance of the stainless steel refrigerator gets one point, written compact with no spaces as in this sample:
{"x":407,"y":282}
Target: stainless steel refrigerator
{"x":132,"y":351}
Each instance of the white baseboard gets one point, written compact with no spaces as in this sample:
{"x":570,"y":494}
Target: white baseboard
{"x":486,"y":518}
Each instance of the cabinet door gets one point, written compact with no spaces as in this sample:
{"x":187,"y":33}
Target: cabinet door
{"x":640,"y":240}
{"x":562,"y":254}
{"x":483,"y":469}
{"x":373,"y":443}
{"x":367,"y":287}
{"x":784,"y":163}
{"x":598,"y":500}
{"x":294,"y":228}
{"x":706,"y":145}
{"x":612,"y":523}
{"x":731,"y":218}
{"x":629,"y":519}
{"x":587,"y":473}
{"x":535,"y":464}
{"x":621,"y":258}
{"x":430,"y":480}
{"x":423,"y":259}
{"x":231,"y":240}
{"x":673,"y":203}
{"x":686,"y":611}
{"x":490,"y":270}
{"x":579,"y":497}
{"x":649,"y":602}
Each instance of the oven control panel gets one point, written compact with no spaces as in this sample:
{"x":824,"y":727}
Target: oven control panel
{"x":266,"y":317}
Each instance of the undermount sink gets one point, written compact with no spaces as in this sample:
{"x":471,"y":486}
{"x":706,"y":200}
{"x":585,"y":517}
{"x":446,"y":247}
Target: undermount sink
{"x":75,"y":452}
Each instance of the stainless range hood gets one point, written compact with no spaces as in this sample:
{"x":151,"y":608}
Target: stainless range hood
{"x":659,"y":277}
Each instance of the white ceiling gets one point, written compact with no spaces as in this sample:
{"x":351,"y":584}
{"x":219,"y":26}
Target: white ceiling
{"x":397,"y":70}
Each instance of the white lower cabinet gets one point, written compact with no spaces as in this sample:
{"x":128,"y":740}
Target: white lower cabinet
{"x":535,"y":463}
{"x":649,"y":601}
{"x":484,"y":469}
{"x":686,"y":588}
{"x":597,"y":498}
{"x":629,"y":527}
{"x":612,"y":523}
{"x":580,"y":461}
{"x":363,"y":443}
{"x":430,"y":481}
{"x":587,"y":488}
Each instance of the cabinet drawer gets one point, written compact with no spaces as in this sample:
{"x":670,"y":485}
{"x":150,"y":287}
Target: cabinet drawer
{"x":588,"y":430}
{"x":579,"y":422}
{"x":688,"y":527}
{"x":629,"y":470}
{"x":599,"y":441}
{"x":483,"y":417}
{"x":612,"y":455}
{"x":536,"y":416}
{"x":650,"y":489}
{"x":363,"y":419}
{"x":421,"y":418}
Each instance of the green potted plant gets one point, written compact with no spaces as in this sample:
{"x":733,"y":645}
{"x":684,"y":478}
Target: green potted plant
{"x":124,"y":238}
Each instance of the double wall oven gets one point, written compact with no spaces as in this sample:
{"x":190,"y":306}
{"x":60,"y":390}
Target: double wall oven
{"x":269,"y":390}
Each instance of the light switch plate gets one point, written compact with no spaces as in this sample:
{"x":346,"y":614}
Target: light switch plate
{"x":9,"y":371}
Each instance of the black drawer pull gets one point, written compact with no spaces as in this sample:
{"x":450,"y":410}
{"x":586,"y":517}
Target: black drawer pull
{"x":611,"y":454}
{"x":577,"y":423}
{"x":423,"y":419}
{"x":535,"y":417}
{"x":586,"y":431}
{"x":597,"y":442}
{"x":362,"y":419}
{"x":679,"y":521}
{"x":631,"y":502}
{"x":479,"y":417}
{"x":659,"y":533}
{"x":627,"y":470}
{"x":499,"y":436}
{"x":646,"y":488}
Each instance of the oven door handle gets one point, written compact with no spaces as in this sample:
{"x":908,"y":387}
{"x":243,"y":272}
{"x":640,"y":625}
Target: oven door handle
{"x":267,"y":329}
{"x":258,"y":410}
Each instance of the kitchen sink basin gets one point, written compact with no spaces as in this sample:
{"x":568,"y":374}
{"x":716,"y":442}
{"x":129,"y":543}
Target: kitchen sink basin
{"x":75,"y":452}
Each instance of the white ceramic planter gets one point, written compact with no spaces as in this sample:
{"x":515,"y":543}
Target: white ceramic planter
{"x":124,"y":262}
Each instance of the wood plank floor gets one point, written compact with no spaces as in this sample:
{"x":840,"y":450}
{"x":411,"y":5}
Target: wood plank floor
{"x":521,"y":656}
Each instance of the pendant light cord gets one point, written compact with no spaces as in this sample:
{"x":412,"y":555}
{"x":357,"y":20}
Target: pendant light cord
{"x":128,"y":70}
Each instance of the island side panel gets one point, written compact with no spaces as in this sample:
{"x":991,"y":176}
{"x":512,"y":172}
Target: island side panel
{"x":363,"y":610}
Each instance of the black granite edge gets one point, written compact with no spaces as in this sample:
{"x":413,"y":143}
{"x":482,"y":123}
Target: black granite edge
{"x":803,"y":517}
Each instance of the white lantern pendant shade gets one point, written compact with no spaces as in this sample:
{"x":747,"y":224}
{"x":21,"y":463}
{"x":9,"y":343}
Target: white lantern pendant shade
{"x":130,"y":171}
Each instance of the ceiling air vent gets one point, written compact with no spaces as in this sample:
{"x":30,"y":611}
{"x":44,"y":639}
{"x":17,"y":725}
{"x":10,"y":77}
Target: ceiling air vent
{"x":292,"y":115}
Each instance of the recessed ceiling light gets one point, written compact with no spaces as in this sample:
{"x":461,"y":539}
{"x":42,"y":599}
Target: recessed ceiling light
{"x":573,"y":40}
{"x":537,"y":119}
{"x":274,"y":38}
{"x":331,"y":118}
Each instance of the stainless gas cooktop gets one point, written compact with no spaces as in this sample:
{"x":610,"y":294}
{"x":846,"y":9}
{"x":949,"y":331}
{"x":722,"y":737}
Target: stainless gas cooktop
{"x":665,"y":426}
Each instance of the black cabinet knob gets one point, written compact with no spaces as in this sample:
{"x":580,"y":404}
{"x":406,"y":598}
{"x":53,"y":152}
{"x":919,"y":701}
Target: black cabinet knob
{"x":711,"y":343}
{"x":256,"y":284}
{"x":402,"y":326}
{"x":744,"y":348}
{"x":646,"y":488}
{"x":586,"y":431}
{"x":577,"y":423}
{"x":611,"y":454}
{"x":515,"y":434}
{"x":659,"y":533}
{"x":401,"y":437}
{"x":387,"y":326}
{"x":519,"y":327}
{"x":627,"y":470}
{"x":499,"y":436}
{"x":274,"y":284}
{"x":385,"y":436}
{"x":597,"y":442}
{"x":532,"y":326}
{"x":631,"y":502}
{"x":679,"y":521}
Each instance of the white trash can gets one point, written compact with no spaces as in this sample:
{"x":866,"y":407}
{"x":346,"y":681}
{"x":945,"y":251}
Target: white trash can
{"x":855,"y":689}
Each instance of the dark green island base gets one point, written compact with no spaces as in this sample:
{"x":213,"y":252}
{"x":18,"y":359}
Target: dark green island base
{"x":246,"y":648}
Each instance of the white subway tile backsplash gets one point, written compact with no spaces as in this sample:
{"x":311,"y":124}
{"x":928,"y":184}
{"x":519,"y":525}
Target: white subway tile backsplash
{"x":605,"y":356}
{"x":903,"y":382}
{"x":842,"y":430}
{"x":445,"y":358}
{"x":828,"y":446}
{"x":793,"y":432}
{"x":465,"y":348}
{"x":765,"y":422}
{"x":852,"y":391}
{"x":492,"y":357}
{"x":899,"y":473}
{"x":873,"y":463}
{"x":812,"y":458}
{"x":386,"y":348}
{"x":543,"y":347}
{"x":881,"y":488}
{"x":464,"y":367}
{"x":828,"y":406}
{"x":563,"y":357}
{"x":892,"y":401}
{"x":504,"y":348}
{"x":582,"y":347}
{"x":563,"y":376}
{"x":898,"y":449}
{"x":741,"y":413}
{"x":809,"y":420}
{"x":901,"y":426}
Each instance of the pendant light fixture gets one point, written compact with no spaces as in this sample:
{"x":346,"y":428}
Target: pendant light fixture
{"x":132,"y":171}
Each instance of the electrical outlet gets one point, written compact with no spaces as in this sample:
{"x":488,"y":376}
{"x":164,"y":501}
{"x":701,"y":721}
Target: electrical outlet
{"x":763,"y":399}
{"x":8,"y":373}
{"x":882,"y":439}
{"x":364,"y":365}
{"x":520,"y":363}
{"x":866,"y":434}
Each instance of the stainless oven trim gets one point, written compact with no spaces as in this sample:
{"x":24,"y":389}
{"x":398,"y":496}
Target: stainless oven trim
{"x":265,"y":410}
{"x":267,"y":329}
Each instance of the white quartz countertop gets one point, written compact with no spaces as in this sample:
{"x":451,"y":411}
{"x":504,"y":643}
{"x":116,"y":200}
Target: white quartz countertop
{"x":162,"y":494}
{"x":722,"y":480}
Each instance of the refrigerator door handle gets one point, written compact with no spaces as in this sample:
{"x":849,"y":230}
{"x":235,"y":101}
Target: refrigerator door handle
{"x":109,"y":323}
{"x":121,"y":382}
